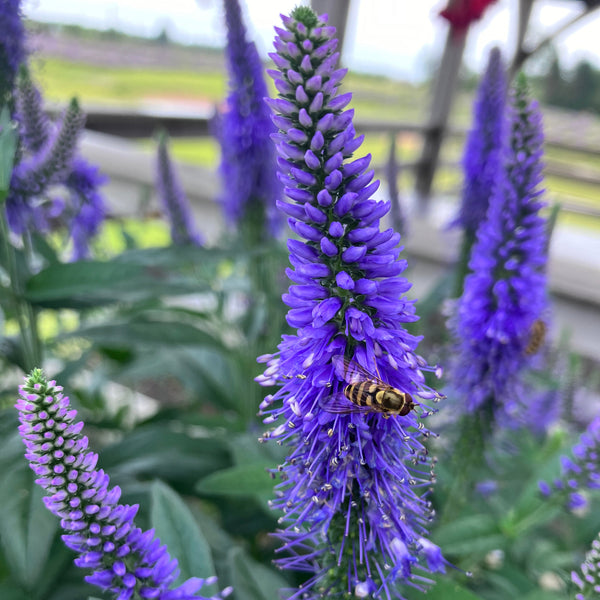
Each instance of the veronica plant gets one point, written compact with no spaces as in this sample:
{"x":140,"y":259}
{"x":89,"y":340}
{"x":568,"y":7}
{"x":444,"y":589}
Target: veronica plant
{"x":588,"y":581}
{"x":173,"y":198}
{"x":82,"y":209}
{"x":500,"y":319}
{"x":482,"y":159}
{"x":125,"y":561}
{"x":354,"y":489}
{"x":580,"y":473}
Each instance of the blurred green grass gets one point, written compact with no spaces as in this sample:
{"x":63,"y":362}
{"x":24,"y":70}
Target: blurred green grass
{"x":94,"y":84}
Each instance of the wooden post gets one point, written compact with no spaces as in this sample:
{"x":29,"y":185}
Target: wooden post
{"x":392,"y":171}
{"x":525,"y":7}
{"x":441,"y":103}
{"x":338,"y":15}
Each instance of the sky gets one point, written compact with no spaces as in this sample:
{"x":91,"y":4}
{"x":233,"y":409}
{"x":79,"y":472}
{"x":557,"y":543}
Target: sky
{"x":398,"y":38}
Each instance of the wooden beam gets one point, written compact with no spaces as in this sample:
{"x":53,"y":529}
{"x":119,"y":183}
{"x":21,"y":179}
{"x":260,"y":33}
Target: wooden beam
{"x":338,"y":16}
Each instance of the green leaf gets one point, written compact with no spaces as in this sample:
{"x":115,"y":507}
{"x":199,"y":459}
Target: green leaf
{"x":175,"y":526}
{"x":93,"y":283}
{"x":8,"y":591}
{"x":8,"y":145}
{"x":208,"y":373}
{"x":465,"y":528}
{"x":475,"y":534}
{"x":27,"y":528}
{"x":444,"y":589}
{"x":241,"y":480}
{"x":172,"y":256}
{"x":143,"y":332}
{"x":245,"y":450}
{"x":44,"y":249}
{"x":544,"y":595}
{"x":155,"y":451}
{"x":252,"y":580}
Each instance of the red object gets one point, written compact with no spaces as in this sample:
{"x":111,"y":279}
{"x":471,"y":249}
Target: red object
{"x":461,"y":13}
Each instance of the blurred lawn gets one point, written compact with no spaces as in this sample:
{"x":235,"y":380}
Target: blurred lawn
{"x":93,"y":84}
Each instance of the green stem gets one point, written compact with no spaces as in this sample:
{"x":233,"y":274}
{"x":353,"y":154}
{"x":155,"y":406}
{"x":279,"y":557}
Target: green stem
{"x":462,"y":269}
{"x":24,"y":311}
{"x":30,"y":311}
{"x":539,"y":515}
{"x":468,"y":457}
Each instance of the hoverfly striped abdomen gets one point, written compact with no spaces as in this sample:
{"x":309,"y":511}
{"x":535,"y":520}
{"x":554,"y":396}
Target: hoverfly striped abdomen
{"x":362,"y":393}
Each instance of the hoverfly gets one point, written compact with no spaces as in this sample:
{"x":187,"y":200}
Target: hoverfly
{"x":537,"y":335}
{"x":365,"y":392}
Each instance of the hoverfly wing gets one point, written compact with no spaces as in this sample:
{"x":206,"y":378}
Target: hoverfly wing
{"x":350,"y":371}
{"x":338,"y":404}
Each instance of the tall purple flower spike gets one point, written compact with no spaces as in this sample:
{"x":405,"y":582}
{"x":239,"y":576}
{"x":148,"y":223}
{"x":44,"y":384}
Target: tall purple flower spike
{"x":126,"y":561}
{"x":248,"y":167}
{"x":354,"y":489}
{"x":506,"y":293}
{"x":482,"y":160}
{"x":173,"y":199}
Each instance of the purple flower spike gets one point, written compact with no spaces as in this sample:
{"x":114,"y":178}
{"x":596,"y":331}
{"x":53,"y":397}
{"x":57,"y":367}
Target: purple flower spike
{"x":12,"y":45}
{"x":354,"y":484}
{"x":581,"y":473}
{"x":588,"y":581}
{"x":173,"y":199}
{"x":248,"y":168}
{"x":483,"y":149}
{"x":500,"y":319}
{"x":125,"y":560}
